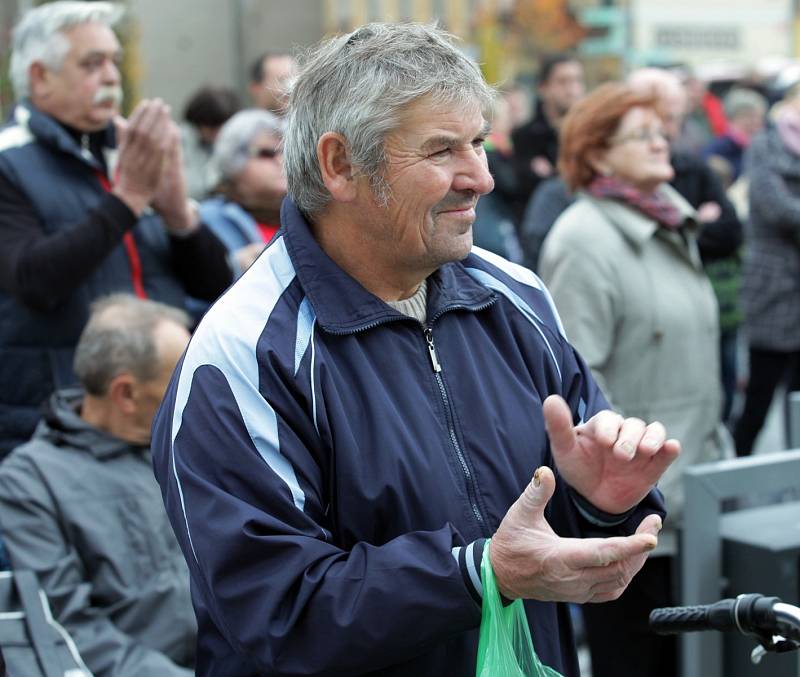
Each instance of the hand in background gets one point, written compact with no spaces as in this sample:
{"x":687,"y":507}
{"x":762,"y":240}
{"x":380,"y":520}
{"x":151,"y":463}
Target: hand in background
{"x":143,"y":142}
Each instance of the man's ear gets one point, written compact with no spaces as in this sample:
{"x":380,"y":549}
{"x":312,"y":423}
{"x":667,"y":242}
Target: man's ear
{"x":122,"y":393}
{"x":337,"y":171}
{"x":38,"y":80}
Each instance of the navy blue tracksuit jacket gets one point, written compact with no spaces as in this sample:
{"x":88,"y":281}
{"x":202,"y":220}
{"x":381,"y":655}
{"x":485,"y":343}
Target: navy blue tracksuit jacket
{"x":332,"y":490}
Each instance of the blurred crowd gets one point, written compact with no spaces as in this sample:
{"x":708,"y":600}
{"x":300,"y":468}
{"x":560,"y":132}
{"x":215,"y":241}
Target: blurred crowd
{"x":663,"y":214}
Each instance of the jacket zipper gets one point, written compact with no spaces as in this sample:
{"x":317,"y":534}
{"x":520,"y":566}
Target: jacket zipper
{"x":472,"y":490}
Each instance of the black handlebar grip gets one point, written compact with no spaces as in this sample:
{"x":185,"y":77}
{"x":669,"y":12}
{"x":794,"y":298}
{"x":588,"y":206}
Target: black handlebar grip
{"x":751,"y":613}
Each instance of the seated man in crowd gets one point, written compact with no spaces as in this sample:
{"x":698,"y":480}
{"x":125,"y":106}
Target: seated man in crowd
{"x":374,"y":399}
{"x":73,"y":224}
{"x":80,"y":507}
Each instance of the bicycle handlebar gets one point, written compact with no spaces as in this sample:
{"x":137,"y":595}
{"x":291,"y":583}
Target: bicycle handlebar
{"x":749,"y":614}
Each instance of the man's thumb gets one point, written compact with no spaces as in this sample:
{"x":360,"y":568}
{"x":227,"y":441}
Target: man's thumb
{"x":539,"y":491}
{"x":650,"y":525}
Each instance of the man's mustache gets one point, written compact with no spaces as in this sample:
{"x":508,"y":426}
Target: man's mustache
{"x":108,"y":93}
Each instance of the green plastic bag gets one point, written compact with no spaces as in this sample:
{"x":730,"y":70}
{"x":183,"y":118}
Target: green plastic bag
{"x":505,"y":648}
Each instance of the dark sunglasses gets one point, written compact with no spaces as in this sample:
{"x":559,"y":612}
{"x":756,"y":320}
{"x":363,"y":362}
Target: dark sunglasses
{"x":266,"y":153}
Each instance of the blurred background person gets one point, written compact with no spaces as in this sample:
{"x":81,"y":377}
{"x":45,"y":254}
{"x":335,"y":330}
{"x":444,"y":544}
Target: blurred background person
{"x":270,"y":77}
{"x":560,"y":85}
{"x":245,"y":213}
{"x":73,"y":227}
{"x":624,"y":270}
{"x":80,"y":507}
{"x":705,"y":117}
{"x":205,"y":113}
{"x":720,"y":236}
{"x":495,"y":228}
{"x":771,"y":281}
{"x":745,"y":110}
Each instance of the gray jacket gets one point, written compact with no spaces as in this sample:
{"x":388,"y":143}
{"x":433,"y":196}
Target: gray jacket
{"x":83,"y":510}
{"x":771,"y":273}
{"x":637,"y":305}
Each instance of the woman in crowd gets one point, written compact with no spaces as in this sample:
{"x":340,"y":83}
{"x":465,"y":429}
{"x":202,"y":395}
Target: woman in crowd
{"x":623,"y":267}
{"x":248,"y":157}
{"x":771,"y":274}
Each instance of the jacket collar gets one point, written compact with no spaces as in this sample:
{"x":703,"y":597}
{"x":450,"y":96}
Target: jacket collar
{"x":638,"y":228}
{"x":62,"y":426}
{"x":343,"y":306}
{"x":49,"y":131}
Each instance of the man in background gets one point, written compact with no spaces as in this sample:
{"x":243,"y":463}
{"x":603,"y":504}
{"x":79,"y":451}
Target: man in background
{"x":85,"y":209}
{"x":561,"y":84}
{"x":79,"y":505}
{"x":270,"y":76}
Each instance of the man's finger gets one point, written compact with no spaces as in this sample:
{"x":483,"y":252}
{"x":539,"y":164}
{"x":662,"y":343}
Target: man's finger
{"x":628,"y":438}
{"x":559,"y":425}
{"x":150,"y":118}
{"x":653,"y":439}
{"x":585,"y":553}
{"x":604,"y":426}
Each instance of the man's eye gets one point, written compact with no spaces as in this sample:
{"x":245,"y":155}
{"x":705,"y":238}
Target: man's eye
{"x":440,"y":153}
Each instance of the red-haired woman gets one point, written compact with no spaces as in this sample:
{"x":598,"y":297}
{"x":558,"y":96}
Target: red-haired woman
{"x":623,"y":267}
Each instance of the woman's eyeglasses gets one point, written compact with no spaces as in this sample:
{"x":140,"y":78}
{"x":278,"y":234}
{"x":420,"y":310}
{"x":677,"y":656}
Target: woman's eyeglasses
{"x":640,"y":136}
{"x":265,"y":153}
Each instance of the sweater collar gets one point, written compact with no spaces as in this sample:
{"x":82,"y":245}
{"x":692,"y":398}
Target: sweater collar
{"x":343,"y":306}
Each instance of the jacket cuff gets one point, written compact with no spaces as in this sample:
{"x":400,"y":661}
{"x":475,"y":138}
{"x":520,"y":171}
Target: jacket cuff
{"x":594,"y":515}
{"x":468,"y":558}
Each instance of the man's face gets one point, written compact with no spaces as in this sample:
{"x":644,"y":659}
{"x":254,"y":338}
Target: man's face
{"x":435,"y":172}
{"x":171,"y":339}
{"x":261,"y":184}
{"x":272,"y":92}
{"x":564,"y":87}
{"x":85,"y":92}
{"x":674,"y":111}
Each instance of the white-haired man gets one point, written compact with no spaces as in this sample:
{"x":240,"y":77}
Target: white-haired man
{"x":79,"y":505}
{"x":364,"y":407}
{"x":74,"y":224}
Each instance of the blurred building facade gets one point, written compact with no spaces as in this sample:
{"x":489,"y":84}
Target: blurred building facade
{"x":175,"y":46}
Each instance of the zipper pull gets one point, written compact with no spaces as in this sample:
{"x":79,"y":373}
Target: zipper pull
{"x":432,"y":350}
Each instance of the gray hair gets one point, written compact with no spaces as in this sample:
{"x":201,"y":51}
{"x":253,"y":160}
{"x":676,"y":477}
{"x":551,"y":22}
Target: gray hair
{"x":232,"y":145}
{"x":358,"y":85}
{"x":741,"y":100}
{"x":119,"y":338}
{"x":39,"y":35}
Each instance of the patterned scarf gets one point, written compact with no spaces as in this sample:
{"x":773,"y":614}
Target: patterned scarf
{"x":655,"y":205}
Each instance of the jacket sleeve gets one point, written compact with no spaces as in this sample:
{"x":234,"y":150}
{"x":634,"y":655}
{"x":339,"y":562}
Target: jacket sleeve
{"x":723,"y":237}
{"x":772,"y":203}
{"x":37,"y":540}
{"x":246,"y":489}
{"x":41,"y":269}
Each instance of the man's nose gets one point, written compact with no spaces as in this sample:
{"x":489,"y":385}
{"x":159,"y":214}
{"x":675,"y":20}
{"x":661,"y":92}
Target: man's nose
{"x":473,"y":173}
{"x":111,"y":72}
